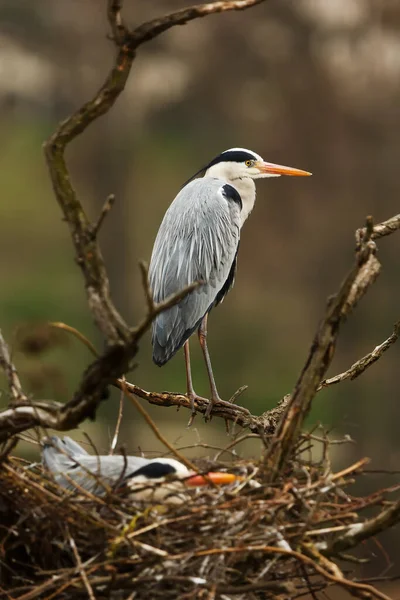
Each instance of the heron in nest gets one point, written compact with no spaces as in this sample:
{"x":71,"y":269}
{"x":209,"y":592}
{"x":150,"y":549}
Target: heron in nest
{"x":157,"y":479}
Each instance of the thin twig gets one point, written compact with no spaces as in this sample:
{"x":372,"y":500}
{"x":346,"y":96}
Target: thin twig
{"x":11,"y":373}
{"x":114,"y":441}
{"x":363,"y":363}
{"x":75,"y":332}
{"x":107,"y":206}
{"x":151,"y":29}
{"x":382,"y":229}
{"x":80,"y":567}
{"x":144,"y":271}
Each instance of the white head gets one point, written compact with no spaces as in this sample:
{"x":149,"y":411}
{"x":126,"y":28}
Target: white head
{"x":165,"y":479}
{"x":239,"y":163}
{"x":240,"y":167}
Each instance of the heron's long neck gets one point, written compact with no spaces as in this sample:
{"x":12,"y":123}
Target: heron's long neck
{"x":245,"y":186}
{"x":247,"y":190}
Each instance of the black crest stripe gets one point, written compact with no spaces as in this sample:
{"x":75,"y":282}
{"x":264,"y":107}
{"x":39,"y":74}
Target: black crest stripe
{"x":232,"y":156}
{"x":154,"y":470}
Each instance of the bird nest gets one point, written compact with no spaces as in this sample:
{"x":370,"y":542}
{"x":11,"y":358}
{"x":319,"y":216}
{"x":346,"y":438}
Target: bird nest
{"x":252,"y":540}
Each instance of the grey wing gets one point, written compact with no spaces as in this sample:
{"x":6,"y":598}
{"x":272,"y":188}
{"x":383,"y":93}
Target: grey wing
{"x":73,"y":470}
{"x":197,"y":241}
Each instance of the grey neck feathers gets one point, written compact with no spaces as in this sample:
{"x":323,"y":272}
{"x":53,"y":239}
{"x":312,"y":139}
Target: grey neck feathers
{"x":245,"y":185}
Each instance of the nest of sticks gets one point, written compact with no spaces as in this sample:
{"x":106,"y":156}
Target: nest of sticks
{"x":252,"y":540}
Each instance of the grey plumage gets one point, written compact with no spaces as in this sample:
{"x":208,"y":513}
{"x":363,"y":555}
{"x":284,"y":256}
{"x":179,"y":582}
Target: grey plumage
{"x":197,"y":241}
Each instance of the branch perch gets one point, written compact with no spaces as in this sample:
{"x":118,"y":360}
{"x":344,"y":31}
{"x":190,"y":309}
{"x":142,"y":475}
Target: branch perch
{"x":354,"y":286}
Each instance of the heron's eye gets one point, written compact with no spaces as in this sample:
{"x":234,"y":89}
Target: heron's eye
{"x":249,"y":163}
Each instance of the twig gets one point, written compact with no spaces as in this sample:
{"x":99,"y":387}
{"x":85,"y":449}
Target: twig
{"x":108,"y":204}
{"x":146,"y":286}
{"x":82,"y":338}
{"x":11,"y":373}
{"x":364,"y":363}
{"x":118,"y":423}
{"x":152,"y":29}
{"x":80,"y":567}
{"x":359,"y":532}
{"x":385,"y":228}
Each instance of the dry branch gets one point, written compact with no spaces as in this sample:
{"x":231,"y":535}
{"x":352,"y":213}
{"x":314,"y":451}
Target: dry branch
{"x":385,"y":228}
{"x":358,"y":532}
{"x":365,"y":362}
{"x":354,"y":286}
{"x":151,"y":29}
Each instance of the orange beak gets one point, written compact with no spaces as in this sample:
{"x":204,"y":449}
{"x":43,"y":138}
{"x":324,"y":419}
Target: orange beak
{"x":217,"y":478}
{"x":271,"y":168}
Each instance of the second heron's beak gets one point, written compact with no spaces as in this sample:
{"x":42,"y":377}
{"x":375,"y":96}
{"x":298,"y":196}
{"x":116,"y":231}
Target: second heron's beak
{"x":272,"y":169}
{"x":216,"y":478}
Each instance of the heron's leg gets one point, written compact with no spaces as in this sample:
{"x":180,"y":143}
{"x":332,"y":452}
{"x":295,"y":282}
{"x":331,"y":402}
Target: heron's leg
{"x":203,"y":343}
{"x":189,"y":383}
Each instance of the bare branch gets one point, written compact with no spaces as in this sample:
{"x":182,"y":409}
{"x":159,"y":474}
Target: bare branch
{"x":358,"y":532}
{"x":364,"y":363}
{"x":385,"y":228}
{"x":114,"y":440}
{"x":107,"y":206}
{"x":80,"y":567}
{"x":76,"y":333}
{"x":231,"y":412}
{"x":355,"y":285}
{"x":151,"y":29}
{"x":11,"y":373}
{"x":156,"y":309}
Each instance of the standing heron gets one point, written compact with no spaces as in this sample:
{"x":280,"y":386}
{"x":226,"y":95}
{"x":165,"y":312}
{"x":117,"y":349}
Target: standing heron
{"x":198,"y":240}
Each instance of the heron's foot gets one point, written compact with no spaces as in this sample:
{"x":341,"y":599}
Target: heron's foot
{"x":211,"y":403}
{"x":193,"y":397}
{"x":215,"y":399}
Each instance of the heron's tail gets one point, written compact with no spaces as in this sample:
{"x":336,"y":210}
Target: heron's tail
{"x":167,"y":343}
{"x":58,"y":454}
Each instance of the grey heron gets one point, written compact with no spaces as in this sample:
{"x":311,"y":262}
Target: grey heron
{"x":198,"y":240}
{"x":157,"y":479}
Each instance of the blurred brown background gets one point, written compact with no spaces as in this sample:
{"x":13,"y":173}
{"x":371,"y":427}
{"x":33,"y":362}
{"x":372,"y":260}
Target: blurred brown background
{"x":313,"y":84}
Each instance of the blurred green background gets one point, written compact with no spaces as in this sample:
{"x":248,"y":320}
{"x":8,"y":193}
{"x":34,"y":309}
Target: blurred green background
{"x":313,"y":84}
